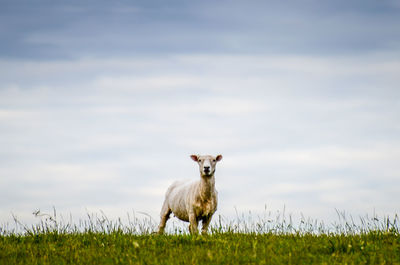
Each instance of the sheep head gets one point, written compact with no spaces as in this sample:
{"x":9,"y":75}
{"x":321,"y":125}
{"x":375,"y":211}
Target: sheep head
{"x":206,"y":163}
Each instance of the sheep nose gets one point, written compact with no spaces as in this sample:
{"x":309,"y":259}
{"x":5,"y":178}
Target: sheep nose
{"x":206,"y":168}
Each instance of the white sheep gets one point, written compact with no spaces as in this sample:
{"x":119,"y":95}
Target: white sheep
{"x":193,"y":201}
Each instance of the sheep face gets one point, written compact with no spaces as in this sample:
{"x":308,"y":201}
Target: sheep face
{"x":206,"y":164}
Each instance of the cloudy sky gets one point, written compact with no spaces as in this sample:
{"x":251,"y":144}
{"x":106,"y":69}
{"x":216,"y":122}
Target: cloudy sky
{"x":102,"y":102}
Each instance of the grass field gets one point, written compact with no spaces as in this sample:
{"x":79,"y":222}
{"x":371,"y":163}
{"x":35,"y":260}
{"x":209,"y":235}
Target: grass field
{"x":101,"y":241}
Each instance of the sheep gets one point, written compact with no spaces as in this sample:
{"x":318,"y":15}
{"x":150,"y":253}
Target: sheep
{"x":193,"y":201}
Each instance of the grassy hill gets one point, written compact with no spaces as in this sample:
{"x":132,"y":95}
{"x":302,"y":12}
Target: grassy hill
{"x":106,"y":242}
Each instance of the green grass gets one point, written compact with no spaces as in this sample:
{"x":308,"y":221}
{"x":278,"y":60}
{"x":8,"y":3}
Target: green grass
{"x":101,"y":241}
{"x":224,"y":248}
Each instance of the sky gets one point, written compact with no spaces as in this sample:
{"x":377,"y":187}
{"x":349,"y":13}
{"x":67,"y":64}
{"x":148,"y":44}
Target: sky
{"x":103,"y":102}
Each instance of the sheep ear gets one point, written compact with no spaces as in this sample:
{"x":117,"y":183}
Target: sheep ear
{"x":218,"y":158}
{"x":195,"y":158}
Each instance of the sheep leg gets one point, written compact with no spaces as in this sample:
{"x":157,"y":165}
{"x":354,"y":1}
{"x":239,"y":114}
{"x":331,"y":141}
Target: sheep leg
{"x":165,"y":212}
{"x":193,"y":223}
{"x":205,"y":222}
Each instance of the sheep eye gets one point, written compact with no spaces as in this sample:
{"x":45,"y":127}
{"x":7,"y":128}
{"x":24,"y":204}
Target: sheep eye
{"x":199,"y":160}
{"x":214,"y":160}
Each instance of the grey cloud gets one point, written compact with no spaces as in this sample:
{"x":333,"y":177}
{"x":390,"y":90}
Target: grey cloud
{"x":48,"y":30}
{"x":112,"y":123}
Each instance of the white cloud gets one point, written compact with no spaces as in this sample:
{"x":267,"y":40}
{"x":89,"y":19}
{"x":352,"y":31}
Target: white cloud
{"x":305,"y":132}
